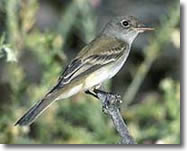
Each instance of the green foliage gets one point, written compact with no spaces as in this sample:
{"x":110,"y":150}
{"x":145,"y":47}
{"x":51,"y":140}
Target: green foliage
{"x":6,"y":51}
{"x":157,"y":117}
{"x":40,"y":57}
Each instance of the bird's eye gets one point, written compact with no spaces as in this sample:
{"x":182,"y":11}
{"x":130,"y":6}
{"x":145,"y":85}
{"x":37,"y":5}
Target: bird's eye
{"x":125,"y":23}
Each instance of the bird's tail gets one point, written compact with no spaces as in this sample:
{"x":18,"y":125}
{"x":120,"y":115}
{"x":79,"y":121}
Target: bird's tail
{"x":30,"y":116}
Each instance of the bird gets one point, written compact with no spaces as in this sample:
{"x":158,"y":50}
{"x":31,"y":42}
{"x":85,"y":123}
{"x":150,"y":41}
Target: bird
{"x":98,"y":61}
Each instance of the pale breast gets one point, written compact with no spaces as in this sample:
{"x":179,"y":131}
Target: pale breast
{"x":105,"y":72}
{"x":116,"y":66}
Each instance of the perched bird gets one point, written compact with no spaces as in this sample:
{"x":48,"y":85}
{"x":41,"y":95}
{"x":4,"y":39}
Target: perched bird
{"x":98,"y":61}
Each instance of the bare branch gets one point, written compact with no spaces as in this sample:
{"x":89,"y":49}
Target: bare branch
{"x":110,"y":103}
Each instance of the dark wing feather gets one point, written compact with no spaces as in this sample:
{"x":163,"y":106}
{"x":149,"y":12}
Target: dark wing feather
{"x":75,"y":65}
{"x":88,"y":65}
{"x":92,"y":58}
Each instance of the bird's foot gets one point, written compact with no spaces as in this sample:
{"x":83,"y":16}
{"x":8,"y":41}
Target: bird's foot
{"x":110,"y":100}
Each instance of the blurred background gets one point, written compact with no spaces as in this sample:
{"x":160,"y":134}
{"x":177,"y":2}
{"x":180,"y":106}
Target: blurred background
{"x":39,"y":37}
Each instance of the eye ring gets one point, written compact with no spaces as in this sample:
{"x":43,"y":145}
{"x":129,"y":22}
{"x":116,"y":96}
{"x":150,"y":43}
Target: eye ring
{"x":125,"y":23}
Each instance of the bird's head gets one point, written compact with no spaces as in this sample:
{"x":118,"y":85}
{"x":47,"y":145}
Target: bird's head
{"x":125,"y":28}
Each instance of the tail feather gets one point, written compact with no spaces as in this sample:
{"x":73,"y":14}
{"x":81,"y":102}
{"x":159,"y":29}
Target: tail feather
{"x":30,"y":116}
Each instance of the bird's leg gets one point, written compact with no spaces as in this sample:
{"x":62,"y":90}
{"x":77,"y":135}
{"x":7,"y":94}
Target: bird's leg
{"x":90,"y":92}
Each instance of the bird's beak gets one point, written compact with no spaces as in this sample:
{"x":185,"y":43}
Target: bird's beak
{"x":141,"y":28}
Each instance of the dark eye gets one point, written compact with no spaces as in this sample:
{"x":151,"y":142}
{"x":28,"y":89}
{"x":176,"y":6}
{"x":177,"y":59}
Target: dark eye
{"x":125,"y":23}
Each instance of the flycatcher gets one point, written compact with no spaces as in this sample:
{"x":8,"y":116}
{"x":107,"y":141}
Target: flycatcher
{"x":98,"y":61}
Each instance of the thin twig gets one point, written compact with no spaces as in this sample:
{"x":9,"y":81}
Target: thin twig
{"x":111,"y":104}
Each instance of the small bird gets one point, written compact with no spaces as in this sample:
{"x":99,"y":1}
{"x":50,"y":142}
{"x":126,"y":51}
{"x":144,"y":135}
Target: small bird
{"x":98,"y":61}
